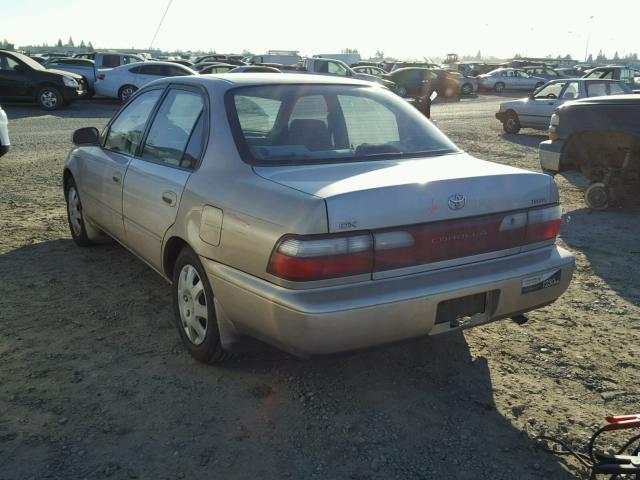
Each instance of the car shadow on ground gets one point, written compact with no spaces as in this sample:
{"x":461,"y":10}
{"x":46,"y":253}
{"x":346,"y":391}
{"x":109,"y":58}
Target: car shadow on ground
{"x":596,"y":234}
{"x":95,"y":383}
{"x":94,"y":108}
{"x":525,"y":139}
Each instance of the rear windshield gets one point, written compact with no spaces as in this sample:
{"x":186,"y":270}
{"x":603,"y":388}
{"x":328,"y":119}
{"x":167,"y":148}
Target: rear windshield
{"x":304,"y":124}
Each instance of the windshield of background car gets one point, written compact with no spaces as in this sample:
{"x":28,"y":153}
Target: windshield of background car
{"x":29,"y":61}
{"x":304,"y":124}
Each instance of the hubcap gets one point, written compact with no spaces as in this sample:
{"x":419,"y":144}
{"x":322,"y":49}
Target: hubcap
{"x":192,"y":303}
{"x":126,"y":93}
{"x":48,"y":99}
{"x":597,"y":196}
{"x":511,"y":123}
{"x":75,"y":211}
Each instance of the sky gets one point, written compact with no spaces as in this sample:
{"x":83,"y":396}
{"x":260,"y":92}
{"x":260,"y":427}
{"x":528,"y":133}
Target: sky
{"x":402,"y":29}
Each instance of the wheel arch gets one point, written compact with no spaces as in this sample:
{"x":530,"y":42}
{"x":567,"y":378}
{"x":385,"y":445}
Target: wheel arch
{"x":581,"y":146}
{"x":172,"y":248}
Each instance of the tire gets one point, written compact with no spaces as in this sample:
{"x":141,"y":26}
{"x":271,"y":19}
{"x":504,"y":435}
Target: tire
{"x":597,"y":196}
{"x":498,"y":87}
{"x":194,"y":309}
{"x":49,"y":98}
{"x":511,"y":123}
{"x":75,"y":218}
{"x":466,"y":89}
{"x":126,"y":92}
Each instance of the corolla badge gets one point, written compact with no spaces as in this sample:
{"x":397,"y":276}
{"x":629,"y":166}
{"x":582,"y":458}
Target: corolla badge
{"x":457,"y":201}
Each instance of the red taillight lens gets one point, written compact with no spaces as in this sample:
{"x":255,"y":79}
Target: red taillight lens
{"x":101,"y":76}
{"x":543,"y":223}
{"x":317,"y":258}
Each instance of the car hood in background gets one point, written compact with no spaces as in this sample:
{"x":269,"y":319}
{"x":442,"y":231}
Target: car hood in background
{"x":75,"y":76}
{"x":386,"y":193}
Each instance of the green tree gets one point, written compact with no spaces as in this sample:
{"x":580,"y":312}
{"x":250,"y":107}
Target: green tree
{"x":70,"y":43}
{"x":59,"y":44}
{"x":379,"y":54}
{"x":601,"y":57}
{"x":478,"y":55}
{"x":90,"y":46}
{"x":590,"y":58}
{"x":616,"y":57}
{"x":82,"y":45}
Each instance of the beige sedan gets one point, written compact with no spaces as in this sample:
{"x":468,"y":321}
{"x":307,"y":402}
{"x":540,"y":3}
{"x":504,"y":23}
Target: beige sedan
{"x":315,"y":213}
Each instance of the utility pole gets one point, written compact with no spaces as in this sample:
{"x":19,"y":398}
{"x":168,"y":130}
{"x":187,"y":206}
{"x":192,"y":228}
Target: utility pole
{"x":586,"y":50}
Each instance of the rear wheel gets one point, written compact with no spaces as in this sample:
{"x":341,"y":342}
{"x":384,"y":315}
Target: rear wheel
{"x":49,"y":98}
{"x":466,"y":89}
{"x":511,"y":123}
{"x":194,"y":309}
{"x":126,"y":92}
{"x":498,"y":87}
{"x":597,"y":196}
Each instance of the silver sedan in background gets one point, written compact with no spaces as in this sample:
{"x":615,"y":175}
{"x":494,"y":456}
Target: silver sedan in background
{"x":316,"y":213}
{"x":509,"y":79}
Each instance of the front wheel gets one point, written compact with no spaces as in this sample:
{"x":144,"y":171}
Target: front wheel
{"x":194,"y":309}
{"x":511,"y":123}
{"x":49,"y":98}
{"x":467,"y":89}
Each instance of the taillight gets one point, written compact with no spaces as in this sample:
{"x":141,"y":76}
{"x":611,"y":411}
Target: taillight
{"x":543,"y":223}
{"x":101,"y":76}
{"x":314,"y":257}
{"x":320,"y":257}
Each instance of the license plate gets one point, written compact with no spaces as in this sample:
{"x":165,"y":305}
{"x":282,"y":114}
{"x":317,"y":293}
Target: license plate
{"x":452,"y":310}
{"x":541,"y":281}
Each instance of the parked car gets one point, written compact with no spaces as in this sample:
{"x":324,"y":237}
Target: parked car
{"x":599,"y":137}
{"x":254,"y":69}
{"x":24,"y":79}
{"x":416,"y":82}
{"x":613,"y":72}
{"x":4,"y":133}
{"x":398,"y":65}
{"x":535,"y":111}
{"x":185,"y":63}
{"x":316,"y":213}
{"x":219,"y":68}
{"x":211,"y":58}
{"x":40,"y":60}
{"x":110,"y":59}
{"x":369,"y":70}
{"x":122,"y":82}
{"x":80,"y":66}
{"x":199,"y":66}
{"x":545,"y":72}
{"x":327,"y":66}
{"x":509,"y":79}
{"x":570,"y":72}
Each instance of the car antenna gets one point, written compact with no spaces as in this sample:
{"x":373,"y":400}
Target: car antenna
{"x":159,"y":25}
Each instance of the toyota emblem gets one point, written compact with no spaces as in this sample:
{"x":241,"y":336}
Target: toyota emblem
{"x":457,"y":201}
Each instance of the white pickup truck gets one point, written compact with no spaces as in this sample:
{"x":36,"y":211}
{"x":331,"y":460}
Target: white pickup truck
{"x":89,"y":64}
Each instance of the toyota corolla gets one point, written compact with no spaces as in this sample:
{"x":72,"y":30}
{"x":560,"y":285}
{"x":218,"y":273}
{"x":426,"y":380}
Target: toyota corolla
{"x":318,"y":214}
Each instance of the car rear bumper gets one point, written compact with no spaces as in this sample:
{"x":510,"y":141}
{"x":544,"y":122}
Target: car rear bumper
{"x":550,"y":152}
{"x":349,"y":317}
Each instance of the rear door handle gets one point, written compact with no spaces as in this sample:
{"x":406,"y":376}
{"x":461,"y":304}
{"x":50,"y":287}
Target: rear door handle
{"x":169,"y":198}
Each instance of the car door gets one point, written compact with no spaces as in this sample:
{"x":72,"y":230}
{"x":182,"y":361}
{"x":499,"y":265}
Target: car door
{"x":102,"y":169}
{"x":14,"y":78}
{"x":155,"y":179}
{"x":539,"y":109}
{"x":144,"y":74}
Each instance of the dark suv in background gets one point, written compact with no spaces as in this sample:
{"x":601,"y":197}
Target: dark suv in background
{"x":24,"y":79}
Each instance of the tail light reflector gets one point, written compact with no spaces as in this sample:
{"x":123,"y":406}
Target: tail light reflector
{"x":317,"y":258}
{"x":543,"y":223}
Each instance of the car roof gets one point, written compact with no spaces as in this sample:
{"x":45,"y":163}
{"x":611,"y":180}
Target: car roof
{"x":627,"y":99}
{"x":249,"y":79}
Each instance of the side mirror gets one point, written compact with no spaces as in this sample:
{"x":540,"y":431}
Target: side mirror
{"x":86,"y":137}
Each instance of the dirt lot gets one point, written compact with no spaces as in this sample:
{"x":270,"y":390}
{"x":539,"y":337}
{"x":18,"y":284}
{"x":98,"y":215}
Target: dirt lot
{"x":95,"y":384}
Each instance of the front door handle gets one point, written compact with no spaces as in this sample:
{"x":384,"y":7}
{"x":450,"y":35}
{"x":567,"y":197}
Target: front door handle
{"x":169,"y":198}
{"x":117,"y":178}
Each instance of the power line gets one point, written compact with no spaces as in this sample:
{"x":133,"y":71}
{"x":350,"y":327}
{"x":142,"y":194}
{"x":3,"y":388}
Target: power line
{"x":160,"y":24}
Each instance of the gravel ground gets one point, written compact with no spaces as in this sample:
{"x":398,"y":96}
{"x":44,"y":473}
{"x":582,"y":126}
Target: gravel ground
{"x":95,"y":384}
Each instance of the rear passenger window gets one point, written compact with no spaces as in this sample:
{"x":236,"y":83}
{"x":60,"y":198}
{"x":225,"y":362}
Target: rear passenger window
{"x":110,"y":61}
{"x":172,"y":127}
{"x":125,"y":133}
{"x":596,"y":89}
